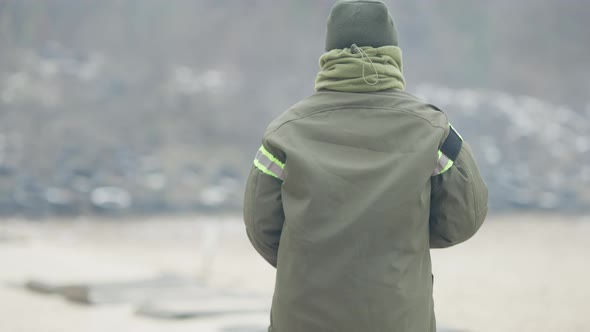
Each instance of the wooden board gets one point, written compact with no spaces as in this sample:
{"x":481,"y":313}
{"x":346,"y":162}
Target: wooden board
{"x":245,"y":328}
{"x":119,"y":292}
{"x":206,"y":306}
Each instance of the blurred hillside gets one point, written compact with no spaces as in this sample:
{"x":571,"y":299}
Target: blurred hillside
{"x":145,"y":106}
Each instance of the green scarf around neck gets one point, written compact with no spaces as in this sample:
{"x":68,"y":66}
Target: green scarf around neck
{"x":342,"y":69}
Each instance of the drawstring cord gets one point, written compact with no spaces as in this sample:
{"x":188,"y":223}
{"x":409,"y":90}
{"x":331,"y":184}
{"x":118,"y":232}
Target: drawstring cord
{"x":356,"y":49}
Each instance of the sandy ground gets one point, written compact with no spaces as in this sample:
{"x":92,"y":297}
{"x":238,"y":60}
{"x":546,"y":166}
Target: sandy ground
{"x":520,"y":273}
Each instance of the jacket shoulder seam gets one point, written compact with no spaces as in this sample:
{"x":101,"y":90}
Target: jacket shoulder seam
{"x":351,"y":108}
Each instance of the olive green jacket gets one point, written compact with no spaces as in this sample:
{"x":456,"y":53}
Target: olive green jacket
{"x":345,"y":200}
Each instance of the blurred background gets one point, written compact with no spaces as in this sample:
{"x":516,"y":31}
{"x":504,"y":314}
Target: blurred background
{"x":128,"y":127}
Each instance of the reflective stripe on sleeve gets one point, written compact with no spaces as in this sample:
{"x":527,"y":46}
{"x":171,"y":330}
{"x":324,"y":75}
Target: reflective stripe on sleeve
{"x":449,"y":151}
{"x":443,"y":165}
{"x":269,"y":164}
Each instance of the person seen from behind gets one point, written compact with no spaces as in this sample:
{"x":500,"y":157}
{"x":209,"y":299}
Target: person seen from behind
{"x":354,"y":185}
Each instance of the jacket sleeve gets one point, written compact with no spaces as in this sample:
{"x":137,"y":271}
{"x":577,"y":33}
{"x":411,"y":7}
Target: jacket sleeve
{"x":458,"y":203}
{"x":263,"y":212}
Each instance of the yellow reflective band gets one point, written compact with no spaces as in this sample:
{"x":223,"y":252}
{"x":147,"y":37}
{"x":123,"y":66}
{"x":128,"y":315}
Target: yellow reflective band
{"x":269,"y":164}
{"x":444,"y":164}
{"x":264,"y":170}
{"x":447,"y":167}
{"x":271,"y":157}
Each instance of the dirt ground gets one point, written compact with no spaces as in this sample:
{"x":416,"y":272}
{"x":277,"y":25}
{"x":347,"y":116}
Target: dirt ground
{"x":519,"y":273}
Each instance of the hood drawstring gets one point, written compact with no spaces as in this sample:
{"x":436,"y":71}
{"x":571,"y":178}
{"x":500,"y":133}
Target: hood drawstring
{"x":356,"y":49}
{"x":343,"y":70}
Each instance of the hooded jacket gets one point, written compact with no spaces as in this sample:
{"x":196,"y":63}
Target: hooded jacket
{"x":348,"y":193}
